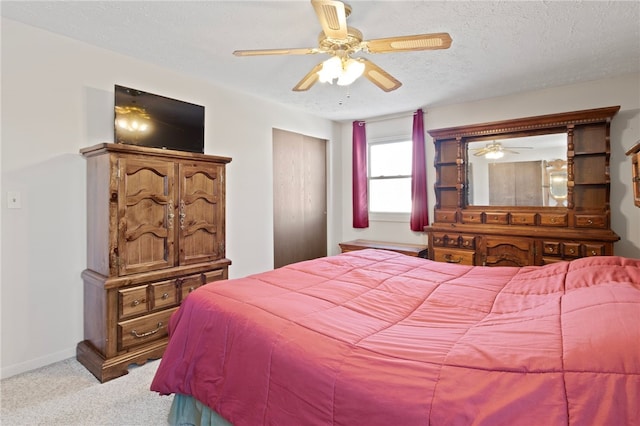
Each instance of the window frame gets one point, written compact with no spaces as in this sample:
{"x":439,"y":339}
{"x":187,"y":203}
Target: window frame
{"x":403,"y":217}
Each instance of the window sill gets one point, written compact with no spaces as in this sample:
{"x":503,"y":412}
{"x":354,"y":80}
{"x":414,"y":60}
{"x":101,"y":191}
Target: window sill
{"x":389,"y":217}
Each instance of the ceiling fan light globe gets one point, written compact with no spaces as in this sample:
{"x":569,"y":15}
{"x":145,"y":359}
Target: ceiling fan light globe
{"x":494,"y":155}
{"x":352,"y":70}
{"x":331,"y":69}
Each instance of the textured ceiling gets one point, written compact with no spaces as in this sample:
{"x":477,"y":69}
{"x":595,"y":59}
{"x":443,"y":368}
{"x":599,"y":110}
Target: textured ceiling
{"x":498,"y":48}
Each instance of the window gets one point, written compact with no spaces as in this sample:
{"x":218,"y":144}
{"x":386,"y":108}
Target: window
{"x":390,"y":176}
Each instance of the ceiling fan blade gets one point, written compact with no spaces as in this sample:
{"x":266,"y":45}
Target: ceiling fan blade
{"x":481,"y":152}
{"x":263,"y":52}
{"x":333,"y":18}
{"x":379,"y":77}
{"x":409,"y":43}
{"x":308,"y":80}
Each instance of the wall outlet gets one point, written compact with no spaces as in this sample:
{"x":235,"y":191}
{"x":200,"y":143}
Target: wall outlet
{"x":13,"y":200}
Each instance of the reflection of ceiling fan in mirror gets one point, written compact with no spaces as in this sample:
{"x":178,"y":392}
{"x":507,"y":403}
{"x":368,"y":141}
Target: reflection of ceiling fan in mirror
{"x":495,"y":150}
{"x":340,"y":42}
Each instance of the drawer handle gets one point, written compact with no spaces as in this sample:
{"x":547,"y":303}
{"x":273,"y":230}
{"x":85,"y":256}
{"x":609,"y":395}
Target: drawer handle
{"x":165,"y":296}
{"x":594,"y":253}
{"x":572,"y":251}
{"x":553,"y":220}
{"x":450,"y":259}
{"x":550,"y":249}
{"x":135,"y":302}
{"x":590,"y":222}
{"x":148,"y":333}
{"x":191,"y":289}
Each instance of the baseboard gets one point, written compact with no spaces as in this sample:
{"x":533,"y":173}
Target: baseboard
{"x":22,"y":367}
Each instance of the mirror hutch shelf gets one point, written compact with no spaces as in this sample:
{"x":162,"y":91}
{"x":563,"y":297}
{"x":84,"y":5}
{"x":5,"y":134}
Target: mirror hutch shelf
{"x":539,"y":209}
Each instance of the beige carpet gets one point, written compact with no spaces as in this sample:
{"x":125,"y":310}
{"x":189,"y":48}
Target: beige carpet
{"x":65,"y":393}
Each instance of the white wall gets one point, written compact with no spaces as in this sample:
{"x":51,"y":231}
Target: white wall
{"x":57,"y":97}
{"x":625,"y":132}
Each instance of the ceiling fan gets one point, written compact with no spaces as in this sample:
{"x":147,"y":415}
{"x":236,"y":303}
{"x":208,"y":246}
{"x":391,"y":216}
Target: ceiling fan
{"x":341,"y":41}
{"x":495,"y":150}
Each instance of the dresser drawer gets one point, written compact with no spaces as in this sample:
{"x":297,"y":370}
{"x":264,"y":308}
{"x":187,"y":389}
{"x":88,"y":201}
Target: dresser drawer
{"x":551,"y":248}
{"x":143,"y":330}
{"x":447,"y":216}
{"x":549,"y":260}
{"x":523,"y":218}
{"x":553,"y":219}
{"x":463,"y":257}
{"x":438,"y":239}
{"x":452,"y":240}
{"x":594,"y":249}
{"x":471,"y":217}
{"x":591,"y":221}
{"x":468,"y":241}
{"x":132,"y":301}
{"x":571,"y":249}
{"x":164,"y":294}
{"x":496,"y":218}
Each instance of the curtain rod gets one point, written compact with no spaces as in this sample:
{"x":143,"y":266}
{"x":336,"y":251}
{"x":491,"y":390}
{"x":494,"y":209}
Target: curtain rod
{"x":393,"y":116}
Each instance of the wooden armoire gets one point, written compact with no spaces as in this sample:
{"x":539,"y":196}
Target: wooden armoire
{"x":155,"y":232}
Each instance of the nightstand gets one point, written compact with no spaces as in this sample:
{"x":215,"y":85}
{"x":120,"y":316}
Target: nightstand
{"x":416,"y":250}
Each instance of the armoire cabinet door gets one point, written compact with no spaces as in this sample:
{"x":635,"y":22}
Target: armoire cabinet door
{"x":201,"y":213}
{"x":147,"y":216}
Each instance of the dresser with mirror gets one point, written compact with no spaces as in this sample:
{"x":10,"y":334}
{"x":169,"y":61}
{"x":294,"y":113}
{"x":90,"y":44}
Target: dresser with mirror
{"x":527,"y":191}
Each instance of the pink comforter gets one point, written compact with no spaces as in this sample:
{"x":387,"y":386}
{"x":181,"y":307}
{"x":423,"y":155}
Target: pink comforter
{"x":374,"y":337}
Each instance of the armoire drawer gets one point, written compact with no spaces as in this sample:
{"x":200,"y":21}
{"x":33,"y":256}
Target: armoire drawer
{"x":164,"y":294}
{"x":143,"y":330}
{"x":190,"y":283}
{"x":132,"y":301}
{"x":217,"y":275}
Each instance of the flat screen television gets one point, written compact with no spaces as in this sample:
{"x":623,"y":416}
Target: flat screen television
{"x":145,"y":119}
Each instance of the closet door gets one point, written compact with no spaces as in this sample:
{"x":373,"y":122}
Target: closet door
{"x":145,"y":210}
{"x":516,"y":183}
{"x":299,"y":197}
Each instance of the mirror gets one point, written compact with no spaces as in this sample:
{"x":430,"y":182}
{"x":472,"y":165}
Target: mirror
{"x":522,"y":171}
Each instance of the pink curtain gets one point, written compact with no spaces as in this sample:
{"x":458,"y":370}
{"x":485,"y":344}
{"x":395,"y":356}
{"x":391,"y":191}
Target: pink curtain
{"x":419,"y":204}
{"x":359,"y":182}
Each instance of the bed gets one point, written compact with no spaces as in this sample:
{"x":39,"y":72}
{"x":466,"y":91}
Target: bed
{"x":379,"y":338}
